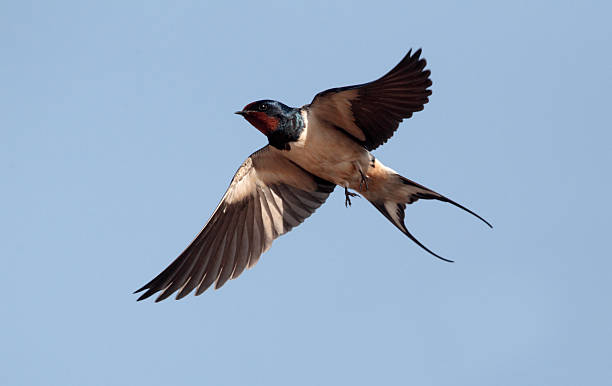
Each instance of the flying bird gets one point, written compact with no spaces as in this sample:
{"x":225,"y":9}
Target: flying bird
{"x":311,"y":150}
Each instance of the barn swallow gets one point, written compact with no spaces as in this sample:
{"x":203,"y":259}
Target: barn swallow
{"x":310,"y":150}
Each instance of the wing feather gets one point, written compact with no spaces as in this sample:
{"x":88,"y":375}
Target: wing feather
{"x":371,"y":112}
{"x":242,"y":256}
{"x":268,"y":196}
{"x":229,"y":255}
{"x":212,"y":270}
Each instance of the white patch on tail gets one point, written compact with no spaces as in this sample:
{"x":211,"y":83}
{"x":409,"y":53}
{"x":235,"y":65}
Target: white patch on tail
{"x":391,"y":208}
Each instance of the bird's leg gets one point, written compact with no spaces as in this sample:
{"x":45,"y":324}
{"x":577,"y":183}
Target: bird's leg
{"x":364,"y":180}
{"x":364,"y":177}
{"x":347,"y":197}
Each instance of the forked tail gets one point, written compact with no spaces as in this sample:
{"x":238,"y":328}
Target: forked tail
{"x":392,"y":192}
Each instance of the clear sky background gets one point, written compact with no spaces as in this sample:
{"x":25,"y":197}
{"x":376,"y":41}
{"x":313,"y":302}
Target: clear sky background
{"x":117,"y":140}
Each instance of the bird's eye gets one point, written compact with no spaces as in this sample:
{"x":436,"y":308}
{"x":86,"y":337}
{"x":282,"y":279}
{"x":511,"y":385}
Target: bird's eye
{"x":263,"y":107}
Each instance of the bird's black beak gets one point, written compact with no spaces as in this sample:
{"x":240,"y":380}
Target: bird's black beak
{"x":244,"y":113}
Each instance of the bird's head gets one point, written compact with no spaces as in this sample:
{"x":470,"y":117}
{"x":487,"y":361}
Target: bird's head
{"x":280,"y":123}
{"x":266,"y":115}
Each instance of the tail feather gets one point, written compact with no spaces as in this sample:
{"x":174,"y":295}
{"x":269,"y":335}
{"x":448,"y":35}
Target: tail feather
{"x":398,"y":221}
{"x":428,"y":194}
{"x":398,"y":191}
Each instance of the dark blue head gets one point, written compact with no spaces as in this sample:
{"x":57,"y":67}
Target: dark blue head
{"x":280,"y":123}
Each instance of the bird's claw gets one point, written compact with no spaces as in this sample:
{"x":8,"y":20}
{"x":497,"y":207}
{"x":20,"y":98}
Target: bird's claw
{"x":347,"y":197}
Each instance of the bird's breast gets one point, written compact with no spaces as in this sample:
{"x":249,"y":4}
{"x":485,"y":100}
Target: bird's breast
{"x":326,"y":152}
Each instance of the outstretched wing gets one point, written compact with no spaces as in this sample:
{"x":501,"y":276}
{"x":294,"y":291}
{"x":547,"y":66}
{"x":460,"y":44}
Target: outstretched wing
{"x":371,"y":112}
{"x":268,"y":196}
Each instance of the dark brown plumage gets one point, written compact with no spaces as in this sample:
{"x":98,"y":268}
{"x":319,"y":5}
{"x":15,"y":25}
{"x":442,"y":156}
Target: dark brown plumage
{"x":378,"y":107}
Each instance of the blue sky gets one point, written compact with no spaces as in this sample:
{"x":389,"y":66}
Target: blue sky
{"x":117,"y":140}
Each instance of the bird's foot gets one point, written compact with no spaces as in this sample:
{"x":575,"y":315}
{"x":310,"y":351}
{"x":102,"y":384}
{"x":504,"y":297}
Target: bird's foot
{"x":347,"y":197}
{"x":364,"y":180}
